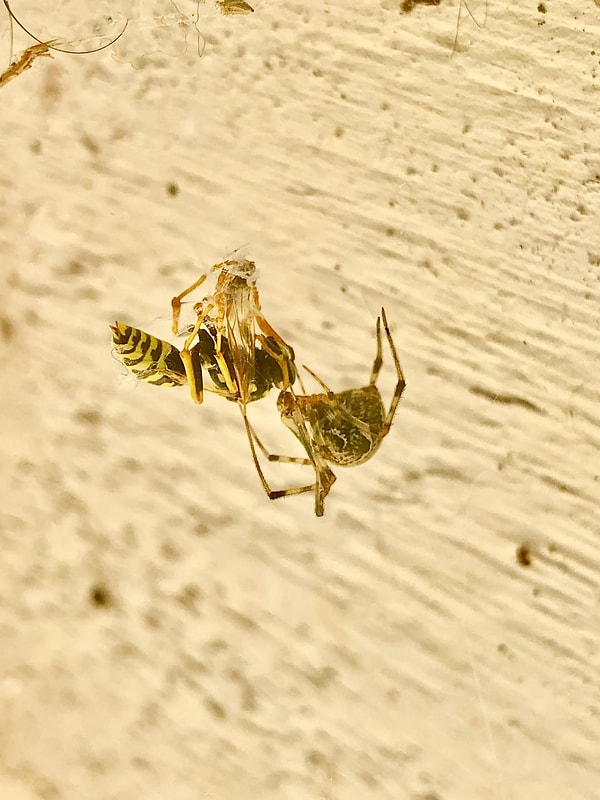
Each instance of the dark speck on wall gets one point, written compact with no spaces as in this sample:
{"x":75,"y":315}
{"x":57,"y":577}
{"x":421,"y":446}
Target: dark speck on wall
{"x":100,"y":596}
{"x":523,"y":555}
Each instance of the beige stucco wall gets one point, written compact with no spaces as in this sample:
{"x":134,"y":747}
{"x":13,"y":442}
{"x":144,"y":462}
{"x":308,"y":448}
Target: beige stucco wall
{"x":395,"y":648}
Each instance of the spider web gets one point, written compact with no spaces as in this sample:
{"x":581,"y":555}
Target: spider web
{"x":73,"y":25}
{"x":476,"y":12}
{"x":159,"y":27}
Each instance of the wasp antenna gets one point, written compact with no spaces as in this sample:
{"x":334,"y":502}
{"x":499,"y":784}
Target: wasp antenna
{"x":470,"y":13}
{"x":455,"y":42}
{"x":199,"y":34}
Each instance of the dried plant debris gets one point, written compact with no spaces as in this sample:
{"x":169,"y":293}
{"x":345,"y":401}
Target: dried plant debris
{"x":523,"y":554}
{"x":231,"y":7}
{"x":409,"y":5}
{"x":39,"y":50}
{"x":463,"y":7}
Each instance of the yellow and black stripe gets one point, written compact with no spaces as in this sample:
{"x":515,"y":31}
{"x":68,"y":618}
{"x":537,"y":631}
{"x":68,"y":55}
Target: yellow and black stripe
{"x":148,"y":358}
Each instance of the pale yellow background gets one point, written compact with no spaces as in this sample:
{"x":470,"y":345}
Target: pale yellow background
{"x":395,"y":648}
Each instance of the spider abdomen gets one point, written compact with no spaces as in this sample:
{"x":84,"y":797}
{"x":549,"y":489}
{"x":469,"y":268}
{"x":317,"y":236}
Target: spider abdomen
{"x":347,"y":425}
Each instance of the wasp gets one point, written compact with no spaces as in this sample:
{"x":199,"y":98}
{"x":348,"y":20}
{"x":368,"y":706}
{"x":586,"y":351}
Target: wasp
{"x":244,"y":356}
{"x":158,"y":362}
{"x":342,"y":428}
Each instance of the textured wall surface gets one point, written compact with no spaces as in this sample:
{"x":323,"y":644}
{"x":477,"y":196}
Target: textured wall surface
{"x":167,"y":632}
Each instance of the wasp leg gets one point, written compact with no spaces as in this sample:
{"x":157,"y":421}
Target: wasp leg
{"x":289,"y":373}
{"x":287,"y":354}
{"x":266,"y":328}
{"x":192,"y":361}
{"x":176,"y":301}
{"x":193,"y":369}
{"x":233,"y":388}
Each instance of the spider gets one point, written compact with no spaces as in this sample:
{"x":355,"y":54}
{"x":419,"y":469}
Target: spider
{"x":344,"y":428}
{"x":243,"y":363}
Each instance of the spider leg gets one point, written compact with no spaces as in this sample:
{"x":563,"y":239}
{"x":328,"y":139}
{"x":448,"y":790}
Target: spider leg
{"x":401,"y":384}
{"x":378,"y":355}
{"x":283,"y":459}
{"x":294,"y":418}
{"x":275,"y":494}
{"x":317,"y":379}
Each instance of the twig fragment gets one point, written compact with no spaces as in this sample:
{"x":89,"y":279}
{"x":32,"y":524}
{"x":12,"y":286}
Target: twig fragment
{"x":39,"y":50}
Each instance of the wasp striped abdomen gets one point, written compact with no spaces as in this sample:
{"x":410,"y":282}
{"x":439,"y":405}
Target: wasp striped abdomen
{"x":148,"y":358}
